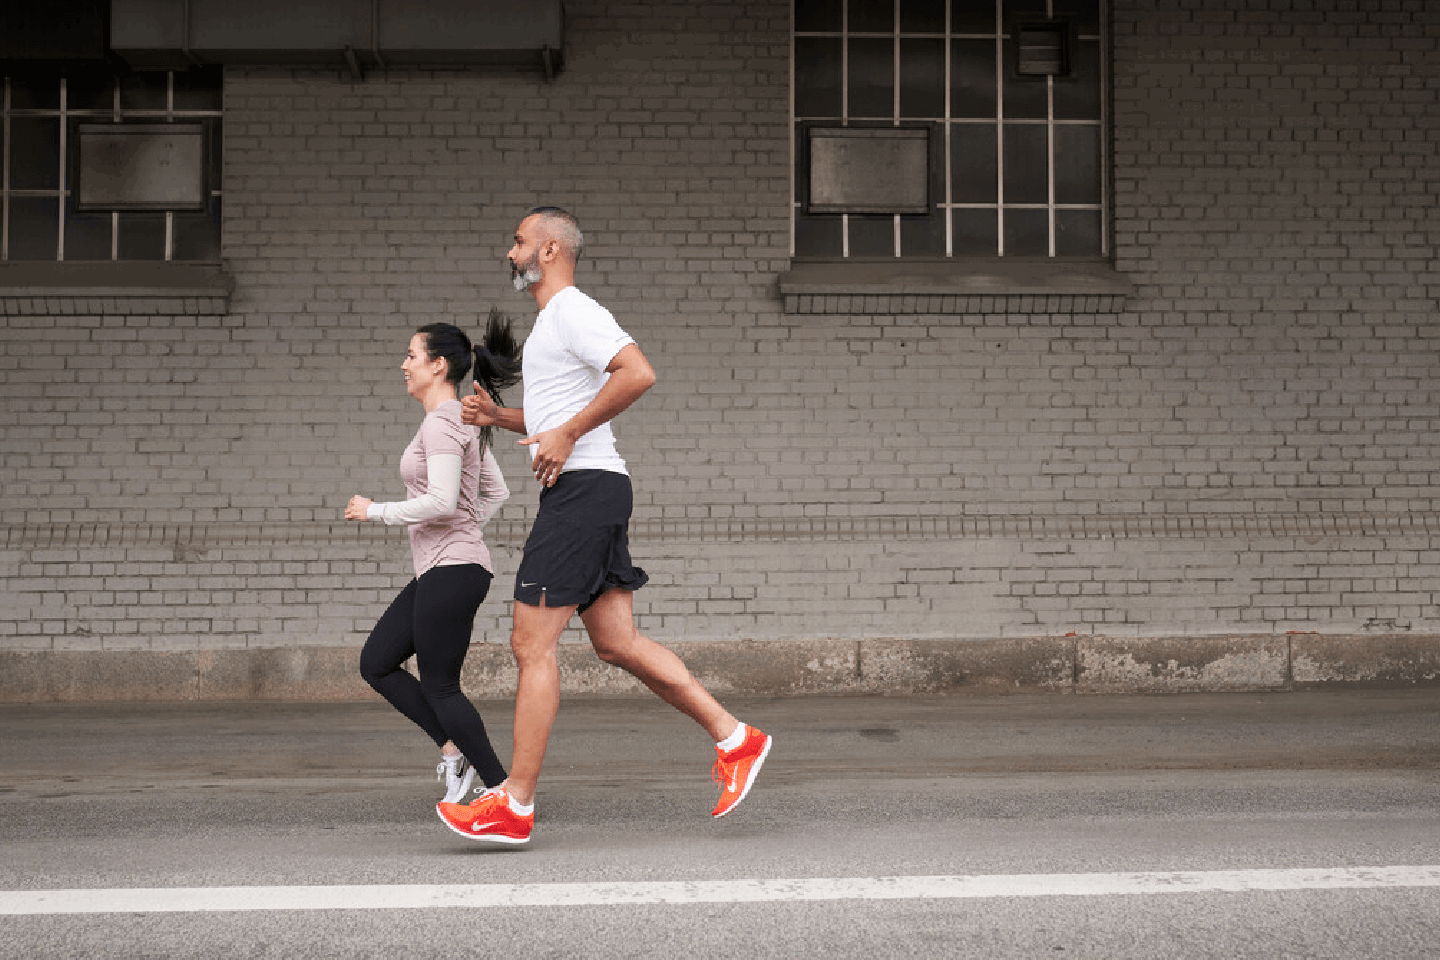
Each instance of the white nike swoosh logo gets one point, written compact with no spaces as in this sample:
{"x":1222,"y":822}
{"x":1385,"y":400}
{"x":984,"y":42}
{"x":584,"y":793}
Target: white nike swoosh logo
{"x":529,"y":584}
{"x":477,"y":827}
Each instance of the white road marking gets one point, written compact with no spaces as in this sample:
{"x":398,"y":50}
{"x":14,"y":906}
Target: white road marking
{"x":440,"y":896}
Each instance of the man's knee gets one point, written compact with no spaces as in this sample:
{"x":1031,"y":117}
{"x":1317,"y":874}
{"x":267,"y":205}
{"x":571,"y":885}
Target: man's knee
{"x":622,"y":645}
{"x":529,"y":653}
{"x":535,"y":635}
{"x":611,"y":655}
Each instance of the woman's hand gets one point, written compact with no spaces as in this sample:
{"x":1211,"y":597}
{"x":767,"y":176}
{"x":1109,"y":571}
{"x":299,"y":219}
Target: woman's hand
{"x":357,"y":508}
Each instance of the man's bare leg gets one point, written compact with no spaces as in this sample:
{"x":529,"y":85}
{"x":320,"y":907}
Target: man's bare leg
{"x":610,"y":621}
{"x":534,"y":639}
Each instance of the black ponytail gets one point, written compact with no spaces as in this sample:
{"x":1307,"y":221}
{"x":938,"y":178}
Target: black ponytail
{"x":497,"y":363}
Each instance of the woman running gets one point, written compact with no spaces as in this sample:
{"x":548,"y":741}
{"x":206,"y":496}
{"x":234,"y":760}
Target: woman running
{"x":454,"y":486}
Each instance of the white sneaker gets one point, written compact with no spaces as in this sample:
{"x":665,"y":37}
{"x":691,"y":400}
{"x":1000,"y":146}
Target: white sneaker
{"x":457,"y":774}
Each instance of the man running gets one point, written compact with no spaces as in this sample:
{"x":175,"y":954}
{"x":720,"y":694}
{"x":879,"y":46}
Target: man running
{"x":581,"y":371}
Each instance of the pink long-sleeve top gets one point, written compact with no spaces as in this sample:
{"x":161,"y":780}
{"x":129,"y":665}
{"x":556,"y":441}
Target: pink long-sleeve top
{"x":453,"y":488}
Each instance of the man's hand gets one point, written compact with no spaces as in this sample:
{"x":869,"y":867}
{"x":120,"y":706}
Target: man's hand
{"x":630,"y":376}
{"x":479,"y":410}
{"x":356,"y":508}
{"x":550,"y":451}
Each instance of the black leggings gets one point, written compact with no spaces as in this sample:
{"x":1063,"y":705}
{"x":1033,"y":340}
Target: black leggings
{"x":432,"y":619}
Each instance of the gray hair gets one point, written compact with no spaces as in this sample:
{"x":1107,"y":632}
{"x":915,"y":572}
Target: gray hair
{"x":562,"y":226}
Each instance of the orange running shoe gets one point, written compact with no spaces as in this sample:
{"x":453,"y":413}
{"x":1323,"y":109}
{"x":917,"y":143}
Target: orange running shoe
{"x":488,"y":817}
{"x":735,"y":771}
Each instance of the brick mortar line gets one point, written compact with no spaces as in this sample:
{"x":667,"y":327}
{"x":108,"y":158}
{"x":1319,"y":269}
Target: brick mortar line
{"x":193,"y":536}
{"x":91,"y":305}
{"x":908,"y":304}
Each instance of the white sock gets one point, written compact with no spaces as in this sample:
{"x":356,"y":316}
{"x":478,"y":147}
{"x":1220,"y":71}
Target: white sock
{"x":524,"y":809}
{"x":734,"y":740}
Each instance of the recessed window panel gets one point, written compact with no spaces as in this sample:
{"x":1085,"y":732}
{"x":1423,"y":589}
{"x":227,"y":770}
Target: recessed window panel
{"x":89,"y":92}
{"x":818,"y":15}
{"x":87,"y":236}
{"x":1026,"y":163}
{"x":974,"y":164}
{"x":34,"y":228}
{"x":34,"y":94}
{"x":141,"y":236}
{"x":818,"y":77}
{"x":871,"y":16}
{"x":197,"y":235}
{"x":198,"y":89}
{"x":922,"y":16}
{"x":975,"y":233}
{"x":922,"y":79}
{"x":144,"y":91}
{"x":817,"y":236}
{"x":1078,"y":98}
{"x":872,"y":236}
{"x":1027,"y":233}
{"x":1084,"y":14}
{"x":923,"y":236}
{"x":972,"y":16}
{"x":872,"y":78}
{"x":214,"y":154}
{"x":1022,"y":10}
{"x":801,"y":171}
{"x":1077,"y":233}
{"x":1025,"y":97}
{"x":972,"y":78}
{"x":1077,"y":179}
{"x":34,"y":153}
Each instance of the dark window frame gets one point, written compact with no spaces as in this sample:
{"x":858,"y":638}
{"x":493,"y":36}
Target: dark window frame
{"x":1064,"y":228}
{"x":174,"y":233}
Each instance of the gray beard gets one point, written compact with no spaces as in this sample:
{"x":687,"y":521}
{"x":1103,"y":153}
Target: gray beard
{"x":525,"y":277}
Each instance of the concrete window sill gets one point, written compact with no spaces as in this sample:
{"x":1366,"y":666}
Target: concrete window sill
{"x":130,"y":287}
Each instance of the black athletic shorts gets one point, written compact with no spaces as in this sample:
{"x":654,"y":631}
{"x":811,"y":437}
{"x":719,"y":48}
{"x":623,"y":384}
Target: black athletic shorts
{"x":579,"y":546}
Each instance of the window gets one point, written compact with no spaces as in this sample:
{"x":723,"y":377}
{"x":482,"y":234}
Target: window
{"x":1011,"y":93}
{"x":99,"y":167}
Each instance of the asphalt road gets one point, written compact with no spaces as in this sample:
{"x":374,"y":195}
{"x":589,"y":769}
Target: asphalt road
{"x":1274,"y":825}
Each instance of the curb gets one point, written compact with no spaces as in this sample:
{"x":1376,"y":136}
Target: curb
{"x":894,"y":666}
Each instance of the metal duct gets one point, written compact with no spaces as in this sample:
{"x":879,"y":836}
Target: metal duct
{"x":63,"y":30}
{"x":360,"y":33}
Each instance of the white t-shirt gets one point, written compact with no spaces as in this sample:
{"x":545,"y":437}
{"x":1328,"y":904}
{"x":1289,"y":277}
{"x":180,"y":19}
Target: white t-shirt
{"x":565,"y":357}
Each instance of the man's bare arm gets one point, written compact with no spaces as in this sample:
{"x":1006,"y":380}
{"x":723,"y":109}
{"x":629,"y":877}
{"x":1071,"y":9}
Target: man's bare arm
{"x":480,"y":411}
{"x":630,"y":376}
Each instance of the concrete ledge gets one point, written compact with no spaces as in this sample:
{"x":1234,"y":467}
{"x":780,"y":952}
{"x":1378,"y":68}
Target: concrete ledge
{"x":884,"y":665}
{"x":1319,"y":661}
{"x":955,"y":286}
{"x":131,"y":278}
{"x":114,"y":289}
{"x":1181,"y":664}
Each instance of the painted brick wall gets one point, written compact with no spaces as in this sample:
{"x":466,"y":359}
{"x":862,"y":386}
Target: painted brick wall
{"x":1250,"y":445}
